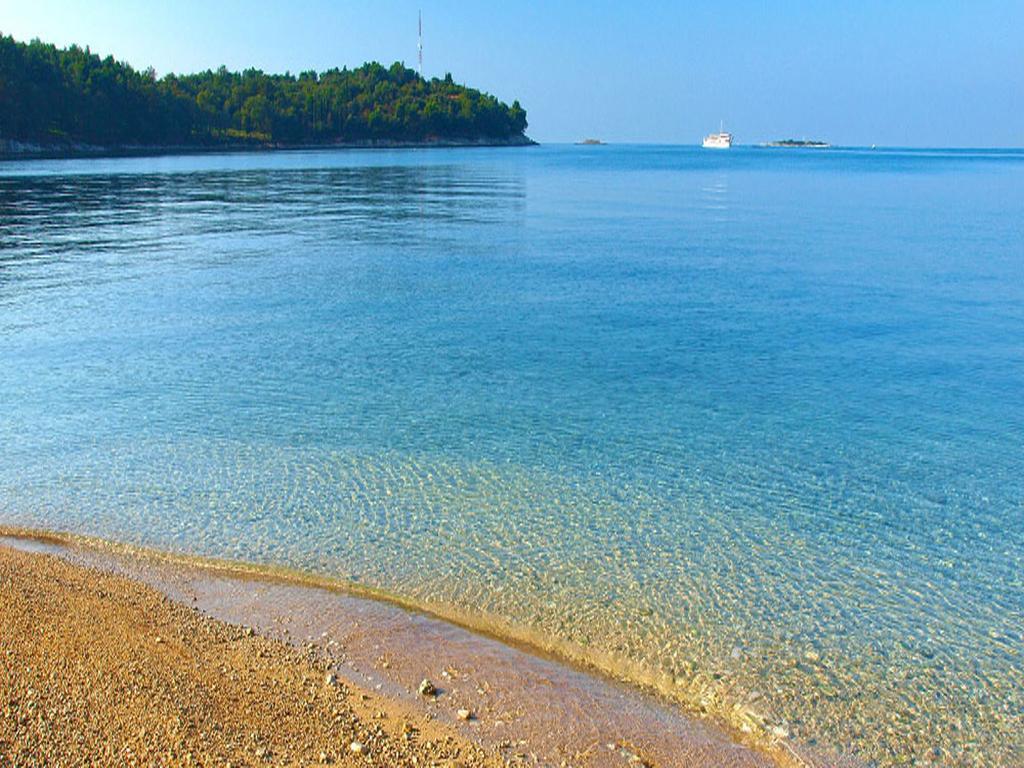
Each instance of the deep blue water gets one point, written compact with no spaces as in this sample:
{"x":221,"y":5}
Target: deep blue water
{"x":745,"y":424}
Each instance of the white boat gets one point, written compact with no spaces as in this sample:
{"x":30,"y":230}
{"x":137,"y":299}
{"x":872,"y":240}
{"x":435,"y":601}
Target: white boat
{"x":720,"y":140}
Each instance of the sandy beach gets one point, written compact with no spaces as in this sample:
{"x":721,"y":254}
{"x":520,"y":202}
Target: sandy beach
{"x":112,"y":659}
{"x":101,"y":670}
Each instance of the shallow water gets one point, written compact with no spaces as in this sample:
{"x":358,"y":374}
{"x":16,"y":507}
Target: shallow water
{"x":744,"y":425}
{"x":514,"y":696}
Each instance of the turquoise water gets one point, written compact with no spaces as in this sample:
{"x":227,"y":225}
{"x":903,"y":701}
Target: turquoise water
{"x":745,"y":425}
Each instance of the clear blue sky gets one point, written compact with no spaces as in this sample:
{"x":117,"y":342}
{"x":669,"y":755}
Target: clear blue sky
{"x":910,"y":72}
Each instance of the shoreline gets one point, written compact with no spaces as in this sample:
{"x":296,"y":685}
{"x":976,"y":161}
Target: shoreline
{"x":657,"y":726}
{"x":104,"y":670}
{"x":13,"y":150}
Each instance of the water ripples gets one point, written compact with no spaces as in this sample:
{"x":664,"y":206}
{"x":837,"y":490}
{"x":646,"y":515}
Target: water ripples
{"x":702,"y":425}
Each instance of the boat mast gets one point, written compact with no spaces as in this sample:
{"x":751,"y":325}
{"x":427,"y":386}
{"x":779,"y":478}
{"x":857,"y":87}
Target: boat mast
{"x":420,"y":45}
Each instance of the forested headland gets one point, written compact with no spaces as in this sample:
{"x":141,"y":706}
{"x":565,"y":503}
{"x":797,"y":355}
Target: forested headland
{"x":63,"y":99}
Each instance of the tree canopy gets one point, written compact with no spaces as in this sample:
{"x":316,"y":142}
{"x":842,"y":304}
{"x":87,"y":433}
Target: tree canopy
{"x":58,"y":96}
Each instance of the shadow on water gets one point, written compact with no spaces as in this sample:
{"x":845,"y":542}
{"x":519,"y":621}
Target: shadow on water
{"x":46,"y":219}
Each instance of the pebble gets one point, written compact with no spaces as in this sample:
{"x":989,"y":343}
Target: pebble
{"x":464,"y":714}
{"x":328,"y":732}
{"x":427,"y":688}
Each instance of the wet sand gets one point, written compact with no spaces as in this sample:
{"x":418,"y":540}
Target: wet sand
{"x":144,"y":660}
{"x":101,"y":670}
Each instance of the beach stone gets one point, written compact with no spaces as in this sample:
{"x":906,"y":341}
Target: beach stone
{"x":357,"y":747}
{"x":464,"y":714}
{"x":330,"y":680}
{"x":427,"y":688}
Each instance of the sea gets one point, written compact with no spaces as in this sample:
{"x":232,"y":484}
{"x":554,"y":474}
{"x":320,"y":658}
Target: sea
{"x":743,"y":427}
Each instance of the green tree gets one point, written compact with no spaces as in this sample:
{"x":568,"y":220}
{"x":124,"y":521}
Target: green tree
{"x":59,"y":96}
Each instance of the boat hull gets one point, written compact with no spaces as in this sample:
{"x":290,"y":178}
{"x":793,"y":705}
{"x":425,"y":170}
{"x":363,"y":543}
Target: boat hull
{"x":717,"y":141}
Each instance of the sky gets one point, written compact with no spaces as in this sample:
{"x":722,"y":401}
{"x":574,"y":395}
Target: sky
{"x":896,"y":73}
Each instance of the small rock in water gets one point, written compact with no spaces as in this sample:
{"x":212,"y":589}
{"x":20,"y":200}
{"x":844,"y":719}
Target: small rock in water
{"x":812,"y":655}
{"x":737,"y":653}
{"x":427,"y":688}
{"x":464,"y":714}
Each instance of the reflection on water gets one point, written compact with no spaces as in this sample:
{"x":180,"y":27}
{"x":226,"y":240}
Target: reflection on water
{"x":745,"y":428}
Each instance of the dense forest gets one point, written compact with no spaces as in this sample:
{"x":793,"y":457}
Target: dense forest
{"x":62,"y":97}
